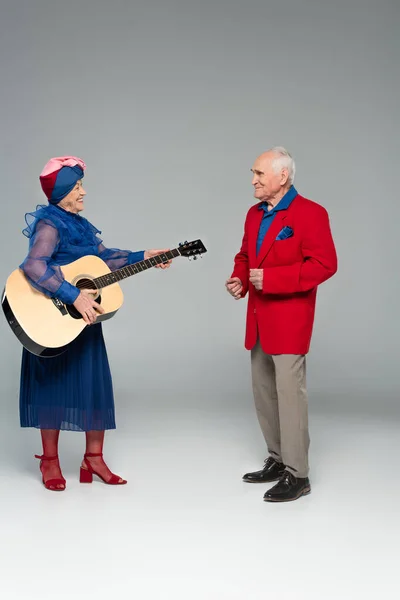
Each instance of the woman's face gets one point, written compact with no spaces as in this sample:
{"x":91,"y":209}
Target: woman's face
{"x":74,"y":201}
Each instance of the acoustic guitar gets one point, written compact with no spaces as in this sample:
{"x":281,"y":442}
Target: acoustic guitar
{"x":45,"y":326}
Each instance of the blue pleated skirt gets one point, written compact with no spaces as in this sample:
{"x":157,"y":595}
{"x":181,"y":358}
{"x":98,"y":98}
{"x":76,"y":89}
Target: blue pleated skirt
{"x":72,"y":391}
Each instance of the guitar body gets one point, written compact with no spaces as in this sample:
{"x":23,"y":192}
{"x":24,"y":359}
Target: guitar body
{"x":45,"y":326}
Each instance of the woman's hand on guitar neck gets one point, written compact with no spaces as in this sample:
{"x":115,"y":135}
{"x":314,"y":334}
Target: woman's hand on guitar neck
{"x":87,"y":306}
{"x":154,"y":252}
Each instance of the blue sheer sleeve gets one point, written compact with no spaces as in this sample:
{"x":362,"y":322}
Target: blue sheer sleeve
{"x":116,"y":259}
{"x":42,"y":273}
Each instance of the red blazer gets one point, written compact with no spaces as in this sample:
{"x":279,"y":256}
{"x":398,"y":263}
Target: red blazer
{"x":282,"y":314}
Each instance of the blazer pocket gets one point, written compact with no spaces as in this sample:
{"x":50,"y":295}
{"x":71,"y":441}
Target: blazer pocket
{"x":285,"y":251}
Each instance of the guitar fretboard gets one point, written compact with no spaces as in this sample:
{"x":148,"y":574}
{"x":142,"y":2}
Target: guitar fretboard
{"x":129,"y":270}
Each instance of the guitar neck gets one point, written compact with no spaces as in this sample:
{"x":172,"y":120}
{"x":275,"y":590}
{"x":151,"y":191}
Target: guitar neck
{"x":129,"y":270}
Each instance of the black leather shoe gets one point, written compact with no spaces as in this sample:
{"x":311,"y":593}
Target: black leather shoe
{"x":271,"y":472}
{"x":288,"y":488}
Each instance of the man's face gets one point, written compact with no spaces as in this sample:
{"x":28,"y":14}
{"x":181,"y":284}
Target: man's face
{"x":267,"y":182}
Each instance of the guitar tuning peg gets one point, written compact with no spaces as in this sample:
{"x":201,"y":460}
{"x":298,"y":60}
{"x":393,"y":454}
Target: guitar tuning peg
{"x":194,"y":257}
{"x":180,"y":244}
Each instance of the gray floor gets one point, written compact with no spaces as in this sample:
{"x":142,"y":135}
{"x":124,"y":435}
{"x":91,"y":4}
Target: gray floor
{"x":186,"y":527}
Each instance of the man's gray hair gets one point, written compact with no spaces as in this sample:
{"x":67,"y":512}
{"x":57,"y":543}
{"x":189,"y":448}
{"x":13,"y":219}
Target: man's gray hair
{"x":284,"y":160}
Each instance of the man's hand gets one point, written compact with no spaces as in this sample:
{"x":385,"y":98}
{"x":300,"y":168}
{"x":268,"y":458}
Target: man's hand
{"x":87,"y":306}
{"x":234,"y":287}
{"x":151,"y":253}
{"x":256,"y":278}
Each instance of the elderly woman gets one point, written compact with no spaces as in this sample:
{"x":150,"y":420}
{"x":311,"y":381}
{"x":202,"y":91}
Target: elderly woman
{"x":72,"y":391}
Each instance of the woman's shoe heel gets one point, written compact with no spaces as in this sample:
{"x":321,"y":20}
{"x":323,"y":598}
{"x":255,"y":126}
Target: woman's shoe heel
{"x":85,"y":476}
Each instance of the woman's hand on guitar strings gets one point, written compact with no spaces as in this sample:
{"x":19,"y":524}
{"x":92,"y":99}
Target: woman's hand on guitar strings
{"x":88,"y":307}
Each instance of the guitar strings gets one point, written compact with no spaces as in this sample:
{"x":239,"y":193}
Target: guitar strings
{"x":113,"y":275}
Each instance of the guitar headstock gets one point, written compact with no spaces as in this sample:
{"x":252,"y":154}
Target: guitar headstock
{"x":192,"y":249}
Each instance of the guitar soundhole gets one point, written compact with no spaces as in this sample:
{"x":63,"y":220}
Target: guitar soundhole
{"x":83,"y":284}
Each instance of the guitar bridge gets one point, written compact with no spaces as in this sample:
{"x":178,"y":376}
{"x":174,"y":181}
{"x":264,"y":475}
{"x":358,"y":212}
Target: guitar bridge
{"x":60,"y":305}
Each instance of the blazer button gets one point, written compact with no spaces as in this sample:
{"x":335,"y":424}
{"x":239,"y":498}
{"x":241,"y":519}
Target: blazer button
{"x":255,"y":311}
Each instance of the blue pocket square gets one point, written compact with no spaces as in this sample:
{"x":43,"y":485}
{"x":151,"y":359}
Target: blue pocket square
{"x":284,"y":233}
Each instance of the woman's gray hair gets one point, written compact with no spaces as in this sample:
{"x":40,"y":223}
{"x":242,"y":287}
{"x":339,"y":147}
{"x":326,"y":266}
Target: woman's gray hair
{"x":284,"y":160}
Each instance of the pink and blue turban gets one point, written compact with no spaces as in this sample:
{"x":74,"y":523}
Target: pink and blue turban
{"x":60,"y":175}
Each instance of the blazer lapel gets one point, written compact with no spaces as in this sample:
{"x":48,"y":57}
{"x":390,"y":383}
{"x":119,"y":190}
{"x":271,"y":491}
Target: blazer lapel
{"x":255,"y":226}
{"x":271,"y":234}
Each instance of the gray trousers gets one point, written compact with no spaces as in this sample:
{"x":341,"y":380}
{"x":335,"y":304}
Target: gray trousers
{"x":280,"y":395}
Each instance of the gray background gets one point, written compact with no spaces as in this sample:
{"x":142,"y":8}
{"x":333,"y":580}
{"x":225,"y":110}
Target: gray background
{"x":169,"y":103}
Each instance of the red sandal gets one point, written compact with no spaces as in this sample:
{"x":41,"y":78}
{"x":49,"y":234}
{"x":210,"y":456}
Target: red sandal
{"x":51,"y":484}
{"x":87,"y":472}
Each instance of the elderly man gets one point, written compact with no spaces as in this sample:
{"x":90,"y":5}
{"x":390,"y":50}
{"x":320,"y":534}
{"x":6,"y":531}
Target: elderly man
{"x":287,"y":251}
